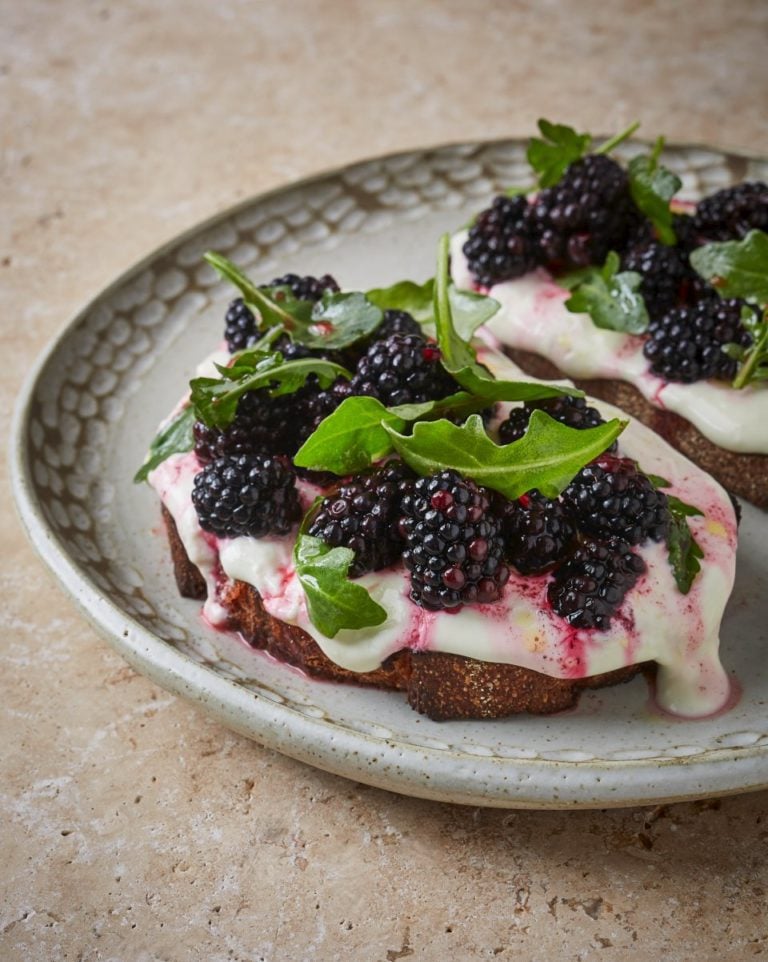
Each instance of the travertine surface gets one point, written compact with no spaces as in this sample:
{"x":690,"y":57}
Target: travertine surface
{"x":132,"y":827}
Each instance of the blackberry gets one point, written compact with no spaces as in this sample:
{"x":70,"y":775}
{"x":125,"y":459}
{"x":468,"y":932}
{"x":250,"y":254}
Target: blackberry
{"x":454,"y":546}
{"x":306,"y":288}
{"x":397,"y":322}
{"x":402,"y":369}
{"x":589,"y":588}
{"x":262,"y":425}
{"x":664,"y":271}
{"x":537,"y":532}
{"x":501,"y":244}
{"x":248,"y":495}
{"x":686,"y":344}
{"x":610,"y":496}
{"x":572,"y":411}
{"x":240,"y":327}
{"x":733,"y":212}
{"x":587,"y":214}
{"x":363,"y":515}
{"x":684,"y":226}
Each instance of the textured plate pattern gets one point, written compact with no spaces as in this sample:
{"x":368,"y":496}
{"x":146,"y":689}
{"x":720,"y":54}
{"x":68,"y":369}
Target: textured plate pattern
{"x":122,"y":363}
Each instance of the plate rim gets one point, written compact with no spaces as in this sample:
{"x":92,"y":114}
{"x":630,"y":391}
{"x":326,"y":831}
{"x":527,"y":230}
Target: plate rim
{"x":176,"y":671}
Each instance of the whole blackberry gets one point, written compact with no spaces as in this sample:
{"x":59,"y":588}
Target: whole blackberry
{"x":587,"y":214}
{"x":686,"y":344}
{"x":454,"y":546}
{"x":306,"y":288}
{"x":664,"y":271}
{"x":262,"y":425}
{"x":500,"y":244}
{"x":240,"y":327}
{"x":396,"y":322}
{"x":248,"y":495}
{"x":589,"y":588}
{"x":610,"y":496}
{"x":731,"y":213}
{"x":684,"y":226}
{"x":572,"y":411}
{"x":537,"y":532}
{"x":402,"y":369}
{"x":363,"y":515}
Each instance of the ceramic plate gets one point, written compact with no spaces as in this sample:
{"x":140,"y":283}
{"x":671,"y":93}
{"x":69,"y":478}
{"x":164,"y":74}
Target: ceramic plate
{"x":96,"y":397}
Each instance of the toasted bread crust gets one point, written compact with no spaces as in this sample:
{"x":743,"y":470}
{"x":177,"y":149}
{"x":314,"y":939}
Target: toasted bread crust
{"x":745,"y":475}
{"x":440,"y":685}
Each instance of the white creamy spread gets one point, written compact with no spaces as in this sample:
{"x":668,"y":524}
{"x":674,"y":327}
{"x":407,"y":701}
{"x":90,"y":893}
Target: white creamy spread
{"x":533,"y":317}
{"x":655,"y":622}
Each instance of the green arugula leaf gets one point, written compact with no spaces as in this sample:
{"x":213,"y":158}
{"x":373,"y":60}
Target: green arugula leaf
{"x":408,"y":296}
{"x":683,"y":550}
{"x":350,"y":317}
{"x":175,"y":438}
{"x":215,"y":399}
{"x":736,"y":268}
{"x":333,"y":601}
{"x":653,"y":187}
{"x":753,"y":360}
{"x":611,"y":298}
{"x":551,"y":156}
{"x":335,"y":321}
{"x":547,"y":456}
{"x":351,"y":438}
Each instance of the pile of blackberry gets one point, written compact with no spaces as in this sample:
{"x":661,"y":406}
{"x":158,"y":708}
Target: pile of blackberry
{"x":686,"y":344}
{"x":363,"y":514}
{"x":454,"y":548}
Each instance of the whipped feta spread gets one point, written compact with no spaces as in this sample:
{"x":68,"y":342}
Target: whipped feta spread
{"x":533,"y":317}
{"x":655,"y":623}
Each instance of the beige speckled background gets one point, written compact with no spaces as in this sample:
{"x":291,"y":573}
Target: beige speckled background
{"x":133,"y":828}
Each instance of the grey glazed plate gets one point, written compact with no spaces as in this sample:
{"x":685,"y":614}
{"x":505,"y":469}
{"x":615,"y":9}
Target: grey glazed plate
{"x":92,"y":404}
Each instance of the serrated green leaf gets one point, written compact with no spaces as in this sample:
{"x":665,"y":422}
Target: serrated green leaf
{"x":408,"y":296}
{"x":350,"y":439}
{"x":351,"y":317}
{"x":652,"y":187}
{"x":736,"y":268}
{"x":547,"y":456}
{"x":175,"y":438}
{"x":611,"y":298}
{"x":215,"y":399}
{"x":333,"y":601}
{"x":551,"y":156}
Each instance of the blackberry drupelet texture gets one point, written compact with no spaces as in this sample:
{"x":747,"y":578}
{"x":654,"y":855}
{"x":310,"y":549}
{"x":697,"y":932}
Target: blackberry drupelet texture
{"x":686,"y":344}
{"x":262,"y":425}
{"x":731,"y":213}
{"x":666,"y":275}
{"x":248,"y":495}
{"x":589,"y":588}
{"x":537,"y":532}
{"x":363,"y":515}
{"x":306,"y":288}
{"x":402,"y":369}
{"x":240,"y":327}
{"x":572,"y":411}
{"x":396,"y":322}
{"x":587,"y":214}
{"x":610,"y":496}
{"x":501,"y":244}
{"x":454,"y":547}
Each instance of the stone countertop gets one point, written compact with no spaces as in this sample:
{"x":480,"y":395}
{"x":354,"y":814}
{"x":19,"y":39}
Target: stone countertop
{"x":134,"y":828}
